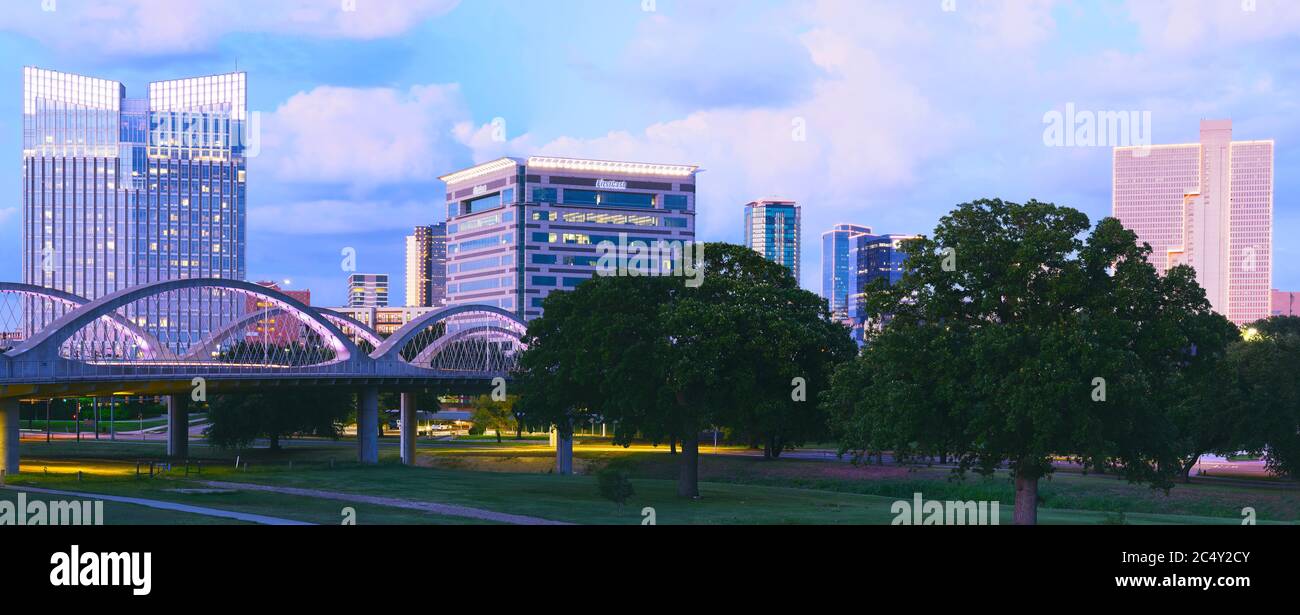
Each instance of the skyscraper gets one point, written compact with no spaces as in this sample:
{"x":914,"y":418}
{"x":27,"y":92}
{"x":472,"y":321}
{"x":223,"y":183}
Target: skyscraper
{"x":875,"y":257}
{"x":124,"y":191}
{"x":368,"y":290}
{"x":426,"y":266}
{"x":1208,"y":205}
{"x":518,"y":230}
{"x":772,"y":228}
{"x":839,"y":271}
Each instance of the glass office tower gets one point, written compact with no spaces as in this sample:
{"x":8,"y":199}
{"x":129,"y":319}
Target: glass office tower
{"x":772,"y":228}
{"x":426,"y":266}
{"x":839,"y":268}
{"x":120,"y":191}
{"x":521,"y":229}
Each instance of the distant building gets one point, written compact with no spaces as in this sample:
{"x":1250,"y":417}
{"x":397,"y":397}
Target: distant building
{"x":839,"y":269}
{"x":772,"y":228}
{"x":368,"y":290}
{"x":520,"y":229}
{"x":1285,"y":303}
{"x":276,"y":328}
{"x":1208,"y":205}
{"x":426,"y":266}
{"x":384,"y":320}
{"x":877,"y":257}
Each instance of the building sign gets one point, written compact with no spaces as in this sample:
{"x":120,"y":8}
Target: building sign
{"x":480,"y":189}
{"x":609,"y":184}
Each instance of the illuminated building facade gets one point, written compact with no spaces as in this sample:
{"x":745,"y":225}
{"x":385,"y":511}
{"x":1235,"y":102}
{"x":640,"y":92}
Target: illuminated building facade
{"x":426,"y":266}
{"x":276,"y":328}
{"x":519,"y":229}
{"x":772,"y":228}
{"x":1209,"y":205}
{"x":119,"y":192}
{"x":368,"y":290}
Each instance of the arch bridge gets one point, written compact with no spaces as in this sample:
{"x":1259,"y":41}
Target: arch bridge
{"x":174,"y":337}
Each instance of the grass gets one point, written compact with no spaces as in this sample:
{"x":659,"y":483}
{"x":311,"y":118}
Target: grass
{"x":514,"y":478}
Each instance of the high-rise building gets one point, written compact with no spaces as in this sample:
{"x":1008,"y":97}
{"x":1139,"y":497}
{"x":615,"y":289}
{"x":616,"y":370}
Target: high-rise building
{"x":875,"y":257}
{"x":839,"y":270}
{"x":1209,"y":205}
{"x":426,"y":266}
{"x":122,"y":191}
{"x":772,"y":229}
{"x":520,"y":229}
{"x":368,"y":290}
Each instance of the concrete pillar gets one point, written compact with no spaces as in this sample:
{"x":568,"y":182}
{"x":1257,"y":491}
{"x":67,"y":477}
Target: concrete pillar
{"x":563,"y":453}
{"x":178,"y":426}
{"x":9,"y":436}
{"x":410,"y":427}
{"x":368,"y":426}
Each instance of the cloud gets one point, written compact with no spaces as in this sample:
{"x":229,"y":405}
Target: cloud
{"x":363,"y":136}
{"x":7,"y":214}
{"x":339,"y":217}
{"x":157,"y":27}
{"x":1194,"y":28}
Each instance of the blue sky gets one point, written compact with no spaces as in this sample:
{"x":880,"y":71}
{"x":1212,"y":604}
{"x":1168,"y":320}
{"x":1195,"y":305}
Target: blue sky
{"x":907,"y":108}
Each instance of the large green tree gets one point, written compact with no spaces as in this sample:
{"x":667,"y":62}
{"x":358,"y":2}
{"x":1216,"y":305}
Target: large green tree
{"x":665,"y":360}
{"x":239,"y":419}
{"x":1020,"y":334}
{"x":1268,"y":366}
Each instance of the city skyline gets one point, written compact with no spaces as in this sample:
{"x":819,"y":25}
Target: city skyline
{"x":898,"y":162}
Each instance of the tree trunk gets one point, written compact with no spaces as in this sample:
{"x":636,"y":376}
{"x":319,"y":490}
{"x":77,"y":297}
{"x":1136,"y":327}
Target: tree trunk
{"x":275,"y":442}
{"x":672,"y":445}
{"x":498,"y":435}
{"x":688,"y":483}
{"x":1187,"y":468}
{"x":519,"y":431}
{"x":1026,"y":499}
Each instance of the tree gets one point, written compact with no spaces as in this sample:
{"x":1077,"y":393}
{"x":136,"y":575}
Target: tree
{"x":491,"y":414}
{"x":614,"y":483}
{"x":1266,"y":360}
{"x":239,"y":419}
{"x":665,"y":361}
{"x":1012,"y":340}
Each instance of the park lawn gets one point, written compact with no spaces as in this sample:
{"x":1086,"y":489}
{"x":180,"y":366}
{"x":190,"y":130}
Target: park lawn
{"x":116,"y":513}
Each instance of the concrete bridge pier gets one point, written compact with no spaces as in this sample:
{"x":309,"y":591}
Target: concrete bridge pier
{"x":178,"y":426}
{"x":368,"y":426}
{"x":410,"y":427}
{"x":9,"y":436}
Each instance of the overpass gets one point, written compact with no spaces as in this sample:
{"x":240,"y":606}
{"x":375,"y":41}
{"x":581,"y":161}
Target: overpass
{"x":137,"y":341}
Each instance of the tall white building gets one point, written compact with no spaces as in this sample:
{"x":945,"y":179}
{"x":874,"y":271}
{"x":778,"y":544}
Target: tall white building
{"x":1208,"y":205}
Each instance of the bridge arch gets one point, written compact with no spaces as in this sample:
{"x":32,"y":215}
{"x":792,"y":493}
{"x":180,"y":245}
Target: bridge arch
{"x":45,"y":344}
{"x":72,"y":302}
{"x":499,"y":320}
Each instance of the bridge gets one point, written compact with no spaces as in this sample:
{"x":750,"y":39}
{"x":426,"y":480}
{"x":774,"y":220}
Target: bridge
{"x":142,"y":341}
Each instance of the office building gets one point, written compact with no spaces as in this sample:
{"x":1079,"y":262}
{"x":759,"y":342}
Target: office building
{"x":876,"y":257}
{"x":276,"y":328}
{"x":119,"y":192}
{"x":384,"y":320}
{"x":772,"y":228}
{"x":519,"y":229}
{"x":1209,"y":205}
{"x":1285,"y":303}
{"x":368,"y":290}
{"x":426,"y":266}
{"x":839,"y":269}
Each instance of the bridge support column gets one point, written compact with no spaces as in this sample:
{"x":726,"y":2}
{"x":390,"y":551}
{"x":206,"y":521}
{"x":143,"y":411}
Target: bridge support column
{"x":563,"y":453}
{"x":178,"y":426}
{"x":410,"y":427}
{"x":9,"y":436}
{"x":368,"y":426}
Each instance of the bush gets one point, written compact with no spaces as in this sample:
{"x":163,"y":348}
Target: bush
{"x":614,"y":484}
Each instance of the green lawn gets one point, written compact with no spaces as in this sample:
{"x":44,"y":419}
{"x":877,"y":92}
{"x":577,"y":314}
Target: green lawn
{"x":514,"y":479}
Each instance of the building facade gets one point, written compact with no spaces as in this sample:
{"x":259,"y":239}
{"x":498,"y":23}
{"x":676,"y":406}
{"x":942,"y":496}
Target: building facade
{"x":120,"y":191}
{"x":839,"y":268}
{"x":1208,"y":205}
{"x":276,"y":328}
{"x":368,"y":290}
{"x":426,"y":266}
{"x":772,"y":228}
{"x":384,"y":320}
{"x":519,"y":229}
{"x":1285,"y":303}
{"x":876,"y":257}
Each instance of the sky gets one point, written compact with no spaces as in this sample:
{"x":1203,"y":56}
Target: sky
{"x":886,"y":113}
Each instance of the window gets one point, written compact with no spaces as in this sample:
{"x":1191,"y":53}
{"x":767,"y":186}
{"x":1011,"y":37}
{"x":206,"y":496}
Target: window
{"x":543,"y":259}
{"x":581,"y":197}
{"x":574,"y":282}
{"x":545,"y":195}
{"x":543,"y":280}
{"x":675,"y":201}
{"x":675,"y":222}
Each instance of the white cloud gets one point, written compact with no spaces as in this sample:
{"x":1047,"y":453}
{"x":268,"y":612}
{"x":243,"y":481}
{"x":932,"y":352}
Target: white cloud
{"x":363,"y":136}
{"x":1207,"y":27}
{"x":152,"y":27}
{"x":7,"y":214}
{"x":338,"y":217}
